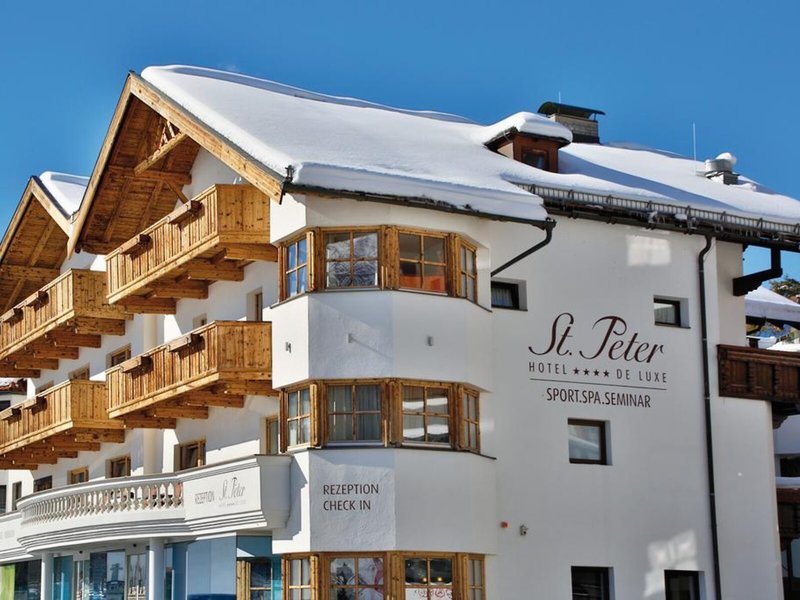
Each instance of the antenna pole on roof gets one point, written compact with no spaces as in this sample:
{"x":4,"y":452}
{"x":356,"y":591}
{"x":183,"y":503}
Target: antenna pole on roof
{"x":694,"y":141}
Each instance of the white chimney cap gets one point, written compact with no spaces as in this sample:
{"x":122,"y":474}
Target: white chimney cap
{"x":727,"y":156}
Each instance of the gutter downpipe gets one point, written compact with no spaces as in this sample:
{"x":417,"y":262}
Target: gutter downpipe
{"x":549,"y":225}
{"x":712,"y":500}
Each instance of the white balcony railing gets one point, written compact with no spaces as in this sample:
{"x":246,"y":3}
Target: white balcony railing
{"x":251,"y":492}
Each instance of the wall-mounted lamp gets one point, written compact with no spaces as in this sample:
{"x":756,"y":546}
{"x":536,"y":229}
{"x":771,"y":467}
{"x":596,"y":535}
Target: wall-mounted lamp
{"x":288,"y":346}
{"x":523,"y":530}
{"x":430,"y":340}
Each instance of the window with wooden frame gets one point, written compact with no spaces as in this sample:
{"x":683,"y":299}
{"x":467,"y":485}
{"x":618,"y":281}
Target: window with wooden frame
{"x":3,"y":498}
{"x":426,"y":414}
{"x":81,"y":373}
{"x":356,"y":577}
{"x":380,"y":257}
{"x":388,"y":412}
{"x":423,"y":261}
{"x":300,"y":578}
{"x":351,"y":258}
{"x":295,"y":266}
{"x":587,"y":442}
{"x":78,"y":476}
{"x":475,"y":583}
{"x":255,"y":305}
{"x":470,"y":421}
{"x":298,"y":411}
{"x":254,"y":579}
{"x":272,"y":444}
{"x":118,"y":356}
{"x":190,"y":455}
{"x":467,"y":272}
{"x":119,"y":467}
{"x":42,"y":484}
{"x":354,"y":412}
{"x":428,"y":577}
{"x":379,"y":575}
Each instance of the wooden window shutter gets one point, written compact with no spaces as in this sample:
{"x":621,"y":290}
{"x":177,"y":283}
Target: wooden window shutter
{"x":391,"y":258}
{"x":386,"y":413}
{"x":283,"y":435}
{"x":316,"y":415}
{"x":458,"y":437}
{"x":242,"y":580}
{"x":201,"y":452}
{"x":453,"y":268}
{"x":311,"y":258}
{"x":316,"y":579}
{"x":282,"y":271}
{"x":395,"y":410}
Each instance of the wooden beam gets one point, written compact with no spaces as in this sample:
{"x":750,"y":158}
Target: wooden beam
{"x":144,"y":222}
{"x":89,"y":325}
{"x":40,"y":245}
{"x":41,"y":351}
{"x":205,"y":269}
{"x":149,"y":306}
{"x":8,"y":369}
{"x":160,"y":154}
{"x":14,"y":296}
{"x":181,"y":412}
{"x":145,"y":422}
{"x":188,"y":289}
{"x":116,"y":436}
{"x":175,"y":177}
{"x":242,"y":163}
{"x":251,"y":252}
{"x":212,"y":399}
{"x":62,"y":337}
{"x":178,"y":192}
{"x":30,"y":362}
{"x":36,"y":274}
{"x":112,"y":219}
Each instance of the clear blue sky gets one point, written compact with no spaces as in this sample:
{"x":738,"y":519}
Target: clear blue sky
{"x":654,"y":67}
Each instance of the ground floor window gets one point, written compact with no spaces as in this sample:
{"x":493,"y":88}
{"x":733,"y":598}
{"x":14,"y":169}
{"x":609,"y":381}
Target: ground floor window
{"x":381,"y":575}
{"x":254,"y":579}
{"x":682,"y":585}
{"x":590,"y":583}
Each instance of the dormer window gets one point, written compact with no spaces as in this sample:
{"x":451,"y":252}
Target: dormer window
{"x":535,"y":151}
{"x":536,"y":158}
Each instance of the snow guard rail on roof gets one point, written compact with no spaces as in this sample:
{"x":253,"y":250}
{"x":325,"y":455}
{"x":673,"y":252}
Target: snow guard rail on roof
{"x":662,"y":215}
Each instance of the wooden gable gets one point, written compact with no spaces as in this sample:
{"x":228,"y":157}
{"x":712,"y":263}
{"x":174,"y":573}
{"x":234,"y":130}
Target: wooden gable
{"x":34,"y":246}
{"x":145,"y":161}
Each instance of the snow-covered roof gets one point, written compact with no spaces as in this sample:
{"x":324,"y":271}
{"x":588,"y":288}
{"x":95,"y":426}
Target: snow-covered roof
{"x":763,"y":303}
{"x":67,"y":190}
{"x":351,"y":145}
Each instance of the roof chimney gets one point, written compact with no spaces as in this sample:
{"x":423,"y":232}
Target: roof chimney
{"x":721,"y":169}
{"x":582,"y":122}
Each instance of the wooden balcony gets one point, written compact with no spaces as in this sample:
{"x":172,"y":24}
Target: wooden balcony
{"x":208,"y":239}
{"x":761,"y":375}
{"x":58,"y":423}
{"x":52,"y":323}
{"x":214,"y":365}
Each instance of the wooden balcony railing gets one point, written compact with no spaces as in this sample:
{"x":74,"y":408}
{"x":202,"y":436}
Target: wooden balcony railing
{"x":761,"y":375}
{"x":214,"y":365}
{"x":210,"y":238}
{"x":58,"y":423}
{"x":68,"y":313}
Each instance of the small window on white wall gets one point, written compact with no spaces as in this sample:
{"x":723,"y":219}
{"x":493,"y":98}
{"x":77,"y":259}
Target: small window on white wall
{"x":670,"y":311}
{"x":255,"y":305}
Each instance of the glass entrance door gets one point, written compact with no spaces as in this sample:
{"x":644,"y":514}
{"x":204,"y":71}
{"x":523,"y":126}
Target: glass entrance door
{"x":137,"y":577}
{"x":81,"y":581}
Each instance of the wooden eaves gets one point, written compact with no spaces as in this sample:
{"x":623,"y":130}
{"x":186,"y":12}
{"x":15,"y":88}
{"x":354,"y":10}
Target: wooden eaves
{"x":139,"y":174}
{"x":34,"y":245}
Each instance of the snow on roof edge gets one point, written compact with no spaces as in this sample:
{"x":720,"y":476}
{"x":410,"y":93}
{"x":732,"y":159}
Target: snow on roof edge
{"x":65,"y":189}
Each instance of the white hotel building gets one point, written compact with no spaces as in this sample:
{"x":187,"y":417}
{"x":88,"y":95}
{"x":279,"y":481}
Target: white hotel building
{"x":286,"y":345}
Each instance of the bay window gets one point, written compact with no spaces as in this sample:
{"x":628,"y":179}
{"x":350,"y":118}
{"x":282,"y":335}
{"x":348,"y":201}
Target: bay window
{"x":354,"y":413}
{"x":351,"y":259}
{"x":379,"y":575}
{"x":388,"y":412}
{"x":426,"y":414}
{"x":380,"y":257}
